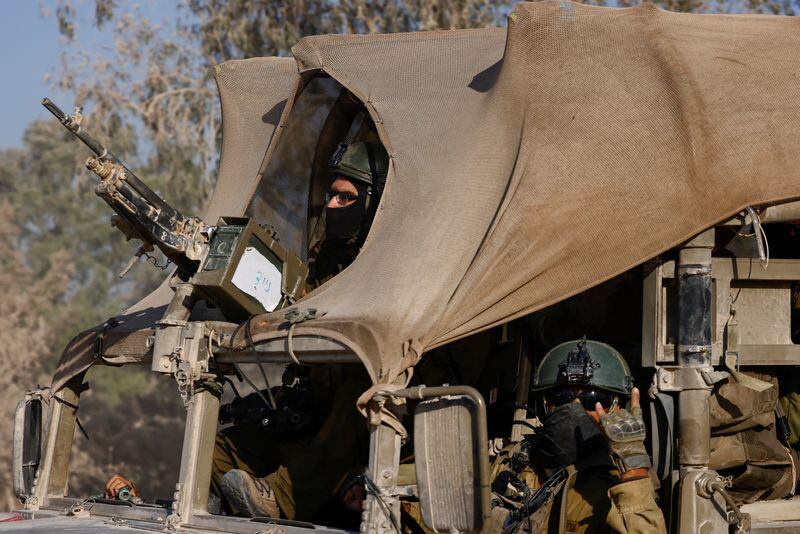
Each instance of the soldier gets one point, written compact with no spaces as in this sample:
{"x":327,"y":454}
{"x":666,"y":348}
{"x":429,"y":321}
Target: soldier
{"x":358,"y":174}
{"x":305,"y":474}
{"x":270,"y":472}
{"x":586,"y":469}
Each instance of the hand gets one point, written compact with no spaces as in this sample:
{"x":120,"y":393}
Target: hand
{"x":354,"y":498}
{"x":625,"y":433}
{"x":117,"y":483}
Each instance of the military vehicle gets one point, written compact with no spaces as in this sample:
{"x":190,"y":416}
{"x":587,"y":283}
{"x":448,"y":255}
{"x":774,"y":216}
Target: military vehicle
{"x":629,"y":174}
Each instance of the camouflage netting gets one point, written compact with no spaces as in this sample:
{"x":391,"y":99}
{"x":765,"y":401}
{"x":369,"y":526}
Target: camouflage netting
{"x":530,"y":164}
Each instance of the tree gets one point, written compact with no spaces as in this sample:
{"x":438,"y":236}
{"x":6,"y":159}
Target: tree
{"x":26,"y":319}
{"x":59,"y":257}
{"x":773,"y":7}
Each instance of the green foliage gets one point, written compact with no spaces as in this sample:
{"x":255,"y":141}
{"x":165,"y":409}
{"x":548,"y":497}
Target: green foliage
{"x":56,"y":211}
{"x":26,"y":310}
{"x":245,"y":28}
{"x":772,"y":7}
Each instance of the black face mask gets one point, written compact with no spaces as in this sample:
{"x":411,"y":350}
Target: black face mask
{"x":343,"y":225}
{"x":568,"y":435}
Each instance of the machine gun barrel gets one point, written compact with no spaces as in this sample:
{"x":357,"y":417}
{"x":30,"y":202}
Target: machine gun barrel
{"x":191,"y":244}
{"x":74,"y":126}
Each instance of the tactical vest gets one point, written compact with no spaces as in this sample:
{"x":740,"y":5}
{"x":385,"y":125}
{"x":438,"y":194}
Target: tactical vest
{"x":745,"y":444}
{"x":535,"y":513}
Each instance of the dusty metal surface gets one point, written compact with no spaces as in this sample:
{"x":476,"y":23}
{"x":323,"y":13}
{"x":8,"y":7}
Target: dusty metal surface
{"x":73,"y":525}
{"x":786,"y":510}
{"x":694,"y":348}
{"x":308,"y":349}
{"x":382,"y":509}
{"x":760,"y":299}
{"x":192,"y":489}
{"x":47,"y":522}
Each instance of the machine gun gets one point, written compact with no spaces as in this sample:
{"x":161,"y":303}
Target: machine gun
{"x":237,"y":265}
{"x":140,"y":212}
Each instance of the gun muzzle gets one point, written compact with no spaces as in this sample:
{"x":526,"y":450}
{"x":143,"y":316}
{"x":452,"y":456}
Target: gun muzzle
{"x":62,"y":117}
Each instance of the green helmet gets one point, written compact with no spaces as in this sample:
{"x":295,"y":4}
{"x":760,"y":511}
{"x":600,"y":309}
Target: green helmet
{"x":584,"y":363}
{"x":362,"y":161}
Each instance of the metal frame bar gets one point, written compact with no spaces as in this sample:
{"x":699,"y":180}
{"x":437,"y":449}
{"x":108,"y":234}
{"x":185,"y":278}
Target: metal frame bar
{"x":695,"y":311}
{"x":194,"y":480}
{"x":382,"y":511}
{"x":53,"y":475}
{"x":423,"y":392}
{"x":307,"y":349}
{"x":699,"y":510}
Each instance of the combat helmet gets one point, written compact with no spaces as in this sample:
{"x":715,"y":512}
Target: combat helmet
{"x":363,"y":162}
{"x":584,"y":363}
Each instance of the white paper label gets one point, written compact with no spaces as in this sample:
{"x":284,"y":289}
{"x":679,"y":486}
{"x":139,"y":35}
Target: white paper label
{"x":259,"y":278}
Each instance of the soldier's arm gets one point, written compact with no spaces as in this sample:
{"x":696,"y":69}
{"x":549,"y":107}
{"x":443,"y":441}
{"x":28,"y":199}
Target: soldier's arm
{"x":634,"y":508}
{"x":634,"y":500}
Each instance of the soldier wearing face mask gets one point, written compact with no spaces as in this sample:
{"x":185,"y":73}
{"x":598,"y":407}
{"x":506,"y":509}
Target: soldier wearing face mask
{"x":358,"y":176}
{"x":586,"y":468}
{"x":258,"y":473}
{"x":295,"y":473}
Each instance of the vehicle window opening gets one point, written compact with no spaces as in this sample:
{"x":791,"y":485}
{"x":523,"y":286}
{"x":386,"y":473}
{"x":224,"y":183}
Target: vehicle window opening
{"x":281,"y":197}
{"x":135,"y":423}
{"x":269,"y":442}
{"x":291,"y":194}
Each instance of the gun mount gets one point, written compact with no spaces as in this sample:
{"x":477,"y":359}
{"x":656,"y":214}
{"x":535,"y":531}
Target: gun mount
{"x":140,"y":212}
{"x":237,"y":265}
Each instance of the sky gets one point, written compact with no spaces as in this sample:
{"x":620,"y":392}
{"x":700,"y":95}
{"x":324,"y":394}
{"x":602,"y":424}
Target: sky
{"x":30,"y":49}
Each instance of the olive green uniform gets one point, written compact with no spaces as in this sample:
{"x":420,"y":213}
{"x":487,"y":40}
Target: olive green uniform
{"x":304,"y":472}
{"x":311,"y":475}
{"x":596,"y":500}
{"x":251,"y":447}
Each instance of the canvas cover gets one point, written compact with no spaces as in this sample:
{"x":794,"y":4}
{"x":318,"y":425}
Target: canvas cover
{"x":530,"y":164}
{"x":600,"y":138}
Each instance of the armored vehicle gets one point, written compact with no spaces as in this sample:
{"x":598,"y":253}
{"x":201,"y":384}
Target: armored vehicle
{"x":626,"y":174}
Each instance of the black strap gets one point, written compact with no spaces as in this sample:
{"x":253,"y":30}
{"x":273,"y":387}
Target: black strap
{"x":74,"y":407}
{"x":662,"y":416}
{"x":545,"y":493}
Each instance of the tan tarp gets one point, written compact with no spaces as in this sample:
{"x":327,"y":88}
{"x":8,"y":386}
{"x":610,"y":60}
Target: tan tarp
{"x":530,"y":164}
{"x":604,"y":137}
{"x":253,"y":94}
